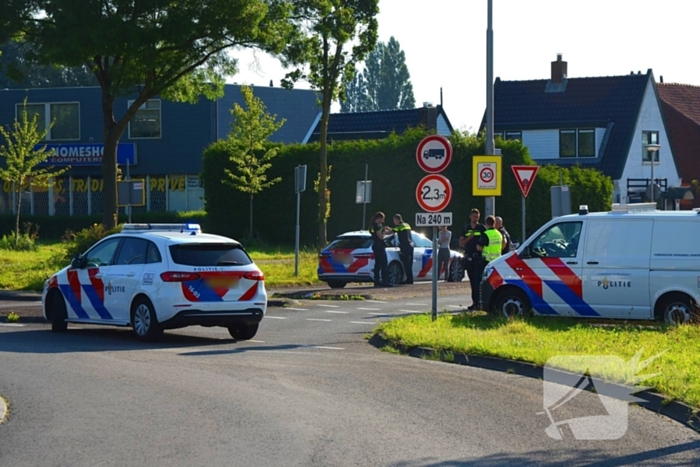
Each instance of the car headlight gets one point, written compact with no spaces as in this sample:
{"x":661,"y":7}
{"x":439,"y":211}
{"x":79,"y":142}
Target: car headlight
{"x":488,"y":270}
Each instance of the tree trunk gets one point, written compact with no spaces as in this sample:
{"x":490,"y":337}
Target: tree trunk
{"x":323,"y":168}
{"x":251,"y":216}
{"x":111,"y":134}
{"x":19,"y":210}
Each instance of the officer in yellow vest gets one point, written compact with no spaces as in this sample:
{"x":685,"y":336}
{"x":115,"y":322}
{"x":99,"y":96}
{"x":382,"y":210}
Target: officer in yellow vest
{"x":492,"y":242}
{"x":403,"y":232}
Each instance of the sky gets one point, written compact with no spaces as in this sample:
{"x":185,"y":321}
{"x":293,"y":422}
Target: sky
{"x":445,"y":45}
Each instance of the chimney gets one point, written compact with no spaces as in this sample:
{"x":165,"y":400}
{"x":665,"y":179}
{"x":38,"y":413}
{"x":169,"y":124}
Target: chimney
{"x":272,"y":85}
{"x":661,"y":78}
{"x":558,"y":70}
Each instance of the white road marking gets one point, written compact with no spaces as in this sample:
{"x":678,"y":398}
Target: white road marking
{"x":296,"y":309}
{"x":318,"y":319}
{"x":370,"y":309}
{"x":274,"y":317}
{"x":251,"y":340}
{"x":20,"y":305}
{"x":328,"y":348}
{"x":328,"y":306}
{"x":334,"y":311}
{"x":375,"y":301}
{"x":412,"y":311}
{"x":363,"y":322}
{"x":12,"y":325}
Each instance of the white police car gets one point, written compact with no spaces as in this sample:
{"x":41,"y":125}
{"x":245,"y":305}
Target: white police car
{"x":349,"y":258}
{"x":159,"y":276}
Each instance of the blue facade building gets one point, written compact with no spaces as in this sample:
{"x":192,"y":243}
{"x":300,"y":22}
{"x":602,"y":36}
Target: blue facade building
{"x":163,"y":144}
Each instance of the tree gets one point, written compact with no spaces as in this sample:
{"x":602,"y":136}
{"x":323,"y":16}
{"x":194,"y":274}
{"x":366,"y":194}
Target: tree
{"x":17,"y":72}
{"x":337,"y":35}
{"x":250,"y":130}
{"x":387,"y":82}
{"x":144,"y":49}
{"x":22,"y":157}
{"x":355,"y":95}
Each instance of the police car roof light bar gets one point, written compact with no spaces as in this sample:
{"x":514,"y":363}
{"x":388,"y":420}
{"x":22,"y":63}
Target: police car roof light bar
{"x":634,"y":207}
{"x":182,"y":228}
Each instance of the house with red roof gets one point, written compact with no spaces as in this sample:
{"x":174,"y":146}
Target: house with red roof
{"x":604,"y":123}
{"x":681,"y":108}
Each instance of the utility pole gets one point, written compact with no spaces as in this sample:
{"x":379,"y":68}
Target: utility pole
{"x":490,"y":202}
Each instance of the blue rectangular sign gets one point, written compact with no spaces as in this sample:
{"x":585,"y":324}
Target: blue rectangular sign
{"x":84,"y":154}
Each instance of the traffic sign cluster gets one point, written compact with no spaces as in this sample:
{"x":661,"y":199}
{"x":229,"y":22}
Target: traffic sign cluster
{"x":434,"y":191}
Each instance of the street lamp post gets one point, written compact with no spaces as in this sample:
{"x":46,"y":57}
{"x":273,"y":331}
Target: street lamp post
{"x":652,"y":190}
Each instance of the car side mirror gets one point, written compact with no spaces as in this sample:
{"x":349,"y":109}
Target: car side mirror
{"x":77,"y":262}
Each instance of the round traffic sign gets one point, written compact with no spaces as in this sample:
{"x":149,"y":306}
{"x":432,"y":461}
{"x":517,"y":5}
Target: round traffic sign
{"x":434,"y":153}
{"x":433,"y":193}
{"x":486,"y":174}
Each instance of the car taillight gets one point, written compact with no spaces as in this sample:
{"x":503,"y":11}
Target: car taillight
{"x":254,"y":276}
{"x":179,"y":276}
{"x":365,"y":255}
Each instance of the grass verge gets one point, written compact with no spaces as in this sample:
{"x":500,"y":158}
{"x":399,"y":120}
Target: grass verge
{"x":27,"y":270}
{"x":536,"y":340}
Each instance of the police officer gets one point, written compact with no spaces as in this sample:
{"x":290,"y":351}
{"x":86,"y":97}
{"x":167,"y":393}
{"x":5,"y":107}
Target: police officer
{"x":492,"y":242}
{"x":472,"y":232}
{"x":378,"y":232}
{"x":507,"y":243}
{"x":403,"y":232}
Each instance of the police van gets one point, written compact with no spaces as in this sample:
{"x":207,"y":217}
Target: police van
{"x":631,"y":263}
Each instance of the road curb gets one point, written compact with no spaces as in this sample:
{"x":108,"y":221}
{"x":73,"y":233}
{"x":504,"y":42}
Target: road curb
{"x":654,"y":402}
{"x":3,"y":410}
{"x":319,"y":296}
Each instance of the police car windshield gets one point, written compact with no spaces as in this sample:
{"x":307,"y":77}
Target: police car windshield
{"x":351,"y":243}
{"x":209,"y":254}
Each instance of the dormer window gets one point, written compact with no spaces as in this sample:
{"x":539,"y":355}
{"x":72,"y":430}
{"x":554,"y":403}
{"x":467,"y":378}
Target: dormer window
{"x":577,"y":143}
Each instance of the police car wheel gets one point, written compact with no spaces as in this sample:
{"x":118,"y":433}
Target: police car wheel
{"x":395,"y":273}
{"x":512,"y":303}
{"x":336,"y":284}
{"x":243,"y":332}
{"x":456,"y":272}
{"x":677,"y":309}
{"x":59,"y":313}
{"x":144,"y":321}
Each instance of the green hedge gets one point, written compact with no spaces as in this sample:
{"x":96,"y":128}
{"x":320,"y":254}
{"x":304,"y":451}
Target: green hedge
{"x":54,"y":227}
{"x":394,"y":174}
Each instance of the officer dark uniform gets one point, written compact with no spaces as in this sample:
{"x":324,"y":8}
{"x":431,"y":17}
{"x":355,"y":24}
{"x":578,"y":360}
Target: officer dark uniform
{"x":379,"y":250}
{"x":473,"y":263}
{"x":506,"y":236}
{"x":403,"y":232}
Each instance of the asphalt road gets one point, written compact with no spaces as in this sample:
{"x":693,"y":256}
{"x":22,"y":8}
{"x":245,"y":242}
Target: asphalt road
{"x":308,"y":390}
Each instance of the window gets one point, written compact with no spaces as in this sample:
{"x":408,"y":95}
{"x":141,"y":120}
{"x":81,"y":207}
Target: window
{"x":210,"y":254}
{"x":577,"y":143}
{"x":559,"y":241}
{"x":567,"y":143}
{"x":649,"y":137}
{"x":420,"y":241}
{"x":511,"y":135}
{"x":153,"y":255}
{"x":133,"y":251}
{"x":351,"y":243}
{"x":64,"y":115}
{"x":146,"y":122}
{"x":102,"y":254}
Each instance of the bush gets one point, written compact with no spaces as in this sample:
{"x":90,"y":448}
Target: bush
{"x":78,"y":243}
{"x":25,"y":242}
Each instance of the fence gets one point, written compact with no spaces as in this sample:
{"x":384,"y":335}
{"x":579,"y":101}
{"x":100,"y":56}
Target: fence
{"x":79,"y":196}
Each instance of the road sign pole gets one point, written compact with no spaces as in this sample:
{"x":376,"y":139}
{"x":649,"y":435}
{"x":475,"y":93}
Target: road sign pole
{"x":364,"y":199}
{"x":296,"y":239}
{"x":435,"y":274}
{"x":490,"y":202}
{"x":523,"y":210}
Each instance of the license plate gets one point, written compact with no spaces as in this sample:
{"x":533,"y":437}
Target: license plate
{"x":223,"y":282}
{"x":342,"y":258}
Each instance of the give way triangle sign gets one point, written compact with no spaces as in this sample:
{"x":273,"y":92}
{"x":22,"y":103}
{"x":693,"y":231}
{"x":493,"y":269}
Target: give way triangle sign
{"x":525,"y":175}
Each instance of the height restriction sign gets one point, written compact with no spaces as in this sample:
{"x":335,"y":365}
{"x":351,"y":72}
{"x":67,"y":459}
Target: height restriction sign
{"x":433,"y":193}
